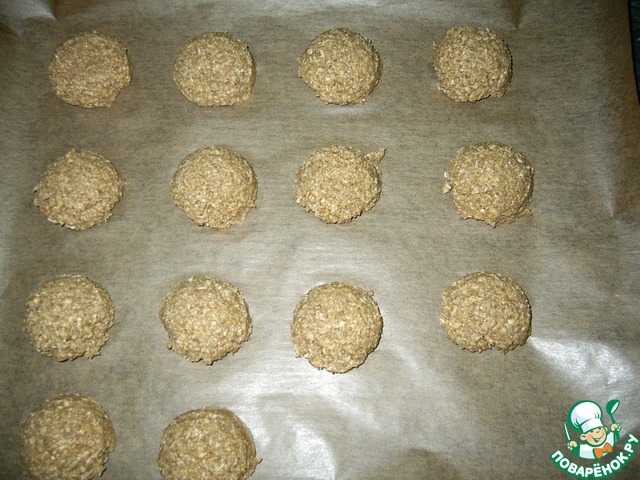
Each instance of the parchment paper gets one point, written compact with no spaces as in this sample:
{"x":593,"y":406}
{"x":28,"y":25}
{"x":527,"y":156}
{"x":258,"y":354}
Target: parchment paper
{"x":420,"y":407}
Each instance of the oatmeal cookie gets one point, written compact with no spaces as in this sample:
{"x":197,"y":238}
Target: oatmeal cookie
{"x":69,"y":316}
{"x":336,"y":326}
{"x":210,"y":443}
{"x":79,"y":190}
{"x":90,"y":70}
{"x":491,"y":182}
{"x":472,"y":63}
{"x":68,"y":437}
{"x":338,"y":184}
{"x":485,"y":310}
{"x":206,"y":319}
{"x":341,"y":66}
{"x":215,"y":69}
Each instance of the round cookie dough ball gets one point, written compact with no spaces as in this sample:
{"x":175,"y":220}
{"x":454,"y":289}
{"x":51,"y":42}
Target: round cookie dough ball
{"x":211,"y":444}
{"x":336,"y":326}
{"x":471,"y":64}
{"x":68,"y":437}
{"x":205,"y":318}
{"x":214,"y":70}
{"x":341,"y":67}
{"x":490,"y":182}
{"x":90,"y":70}
{"x":485,"y":310}
{"x":215,"y":187}
{"x":79,"y":190}
{"x":69,"y":316}
{"x":338,"y":184}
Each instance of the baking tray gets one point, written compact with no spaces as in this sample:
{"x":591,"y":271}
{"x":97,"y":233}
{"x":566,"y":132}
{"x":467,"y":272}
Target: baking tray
{"x":419,"y":407}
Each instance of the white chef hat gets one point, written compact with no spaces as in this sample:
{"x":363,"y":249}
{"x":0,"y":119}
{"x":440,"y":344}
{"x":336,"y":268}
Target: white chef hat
{"x":585,"y":415}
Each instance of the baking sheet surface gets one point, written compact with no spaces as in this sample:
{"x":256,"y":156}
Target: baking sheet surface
{"x":419,"y":407}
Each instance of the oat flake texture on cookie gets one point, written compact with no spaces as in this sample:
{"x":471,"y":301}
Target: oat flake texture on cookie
{"x":90,"y":70}
{"x":484,"y":310}
{"x":69,"y":316}
{"x":338,"y":184}
{"x":205,"y":318}
{"x":210,"y":443}
{"x":79,"y":190}
{"x":491,"y":182}
{"x":68,"y":437}
{"x":215,"y":69}
{"x":341,"y":66}
{"x":215,"y":187}
{"x":472,"y":63}
{"x":336,"y":326}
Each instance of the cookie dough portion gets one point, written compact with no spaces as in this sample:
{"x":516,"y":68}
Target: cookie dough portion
{"x":210,"y":443}
{"x":205,"y":318}
{"x":338,"y":184}
{"x":90,"y":70}
{"x":472,"y":63}
{"x":215,"y":187}
{"x":79,"y":190}
{"x":491,"y":182}
{"x":215,"y":69}
{"x":485,"y":310}
{"x":68,"y":437}
{"x":341,"y":67}
{"x":69,"y":316}
{"x":336,"y":326}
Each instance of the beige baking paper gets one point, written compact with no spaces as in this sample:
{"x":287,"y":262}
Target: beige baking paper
{"x":419,"y":407}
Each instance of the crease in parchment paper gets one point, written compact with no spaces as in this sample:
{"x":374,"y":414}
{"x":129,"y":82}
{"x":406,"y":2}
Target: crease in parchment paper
{"x":14,"y":14}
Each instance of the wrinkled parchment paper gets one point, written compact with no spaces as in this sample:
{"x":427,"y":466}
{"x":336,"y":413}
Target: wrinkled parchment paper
{"x":419,"y":407}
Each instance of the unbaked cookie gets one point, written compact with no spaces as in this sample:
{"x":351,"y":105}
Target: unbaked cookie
{"x":472,"y":63}
{"x":336,"y":326}
{"x":68,"y":437}
{"x":211,"y":444}
{"x":339,"y":183}
{"x":340,"y":66}
{"x":491,"y":182}
{"x":485,"y":310}
{"x":79,"y":190}
{"x":90,"y":70}
{"x":69,"y":316}
{"x":215,"y":69}
{"x":215,"y":187}
{"x":205,"y":318}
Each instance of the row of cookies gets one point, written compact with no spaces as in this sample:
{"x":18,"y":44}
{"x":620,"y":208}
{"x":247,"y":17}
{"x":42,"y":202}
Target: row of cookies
{"x":335,"y":325}
{"x":70,"y":437}
{"x":217,"y":187}
{"x":217,"y":69}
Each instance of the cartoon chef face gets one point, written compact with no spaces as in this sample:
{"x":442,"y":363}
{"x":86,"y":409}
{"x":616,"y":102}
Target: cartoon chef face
{"x":595,"y":437}
{"x":596,"y":440}
{"x":585,"y":417}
